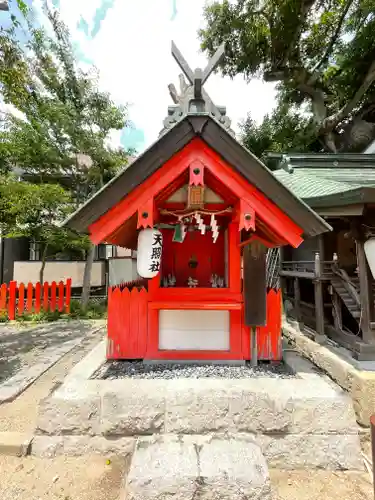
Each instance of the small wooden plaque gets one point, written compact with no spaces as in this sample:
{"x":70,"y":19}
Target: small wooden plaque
{"x":196,"y":197}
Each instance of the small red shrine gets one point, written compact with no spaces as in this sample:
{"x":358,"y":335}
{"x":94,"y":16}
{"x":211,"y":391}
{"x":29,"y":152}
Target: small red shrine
{"x":202,"y":212}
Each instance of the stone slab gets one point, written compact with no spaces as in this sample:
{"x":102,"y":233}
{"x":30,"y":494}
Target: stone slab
{"x":15,"y":443}
{"x":59,"y":416}
{"x":53,"y":446}
{"x":133,"y":412}
{"x":360,"y":384}
{"x":173,"y":467}
{"x":311,"y":451}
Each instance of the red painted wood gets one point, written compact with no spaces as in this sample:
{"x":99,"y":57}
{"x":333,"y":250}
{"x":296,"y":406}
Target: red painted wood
{"x":147,"y":208}
{"x":46,"y":296}
{"x":280,"y":223}
{"x":246,"y":210}
{"x":209,"y":255}
{"x":203,"y":306}
{"x":197,"y":295}
{"x":114,"y":217}
{"x":234,"y":251}
{"x":132,"y":344}
{"x":3,"y":297}
{"x":142,"y":325}
{"x":29,"y":301}
{"x":12,"y":300}
{"x":196,"y":179}
{"x":53,"y":296}
{"x":60,"y":301}
{"x":68,"y":291}
{"x":38,"y":297}
{"x":269,"y":336}
{"x":21,"y":299}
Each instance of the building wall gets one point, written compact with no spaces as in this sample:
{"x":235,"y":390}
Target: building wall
{"x":12,"y":249}
{"x":28,"y":271}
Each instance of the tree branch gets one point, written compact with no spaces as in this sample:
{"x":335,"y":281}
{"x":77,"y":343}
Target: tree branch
{"x":334,"y":37}
{"x":331,"y":122}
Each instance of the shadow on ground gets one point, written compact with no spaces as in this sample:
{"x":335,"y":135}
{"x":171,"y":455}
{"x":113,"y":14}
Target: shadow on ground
{"x":20,"y":346}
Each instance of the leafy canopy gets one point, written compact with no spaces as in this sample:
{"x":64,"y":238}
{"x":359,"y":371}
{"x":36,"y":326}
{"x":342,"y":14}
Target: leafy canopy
{"x":320,"y":52}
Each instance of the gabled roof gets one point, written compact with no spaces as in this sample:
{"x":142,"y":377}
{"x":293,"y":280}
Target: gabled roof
{"x":326,"y":180}
{"x":221,"y":141}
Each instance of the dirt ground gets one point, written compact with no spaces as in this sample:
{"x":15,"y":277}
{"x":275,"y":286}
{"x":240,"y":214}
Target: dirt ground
{"x":93,"y":478}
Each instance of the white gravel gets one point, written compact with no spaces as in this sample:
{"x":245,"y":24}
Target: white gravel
{"x":136,"y":369}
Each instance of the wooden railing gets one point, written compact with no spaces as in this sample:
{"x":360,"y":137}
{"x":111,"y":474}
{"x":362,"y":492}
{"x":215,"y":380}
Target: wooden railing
{"x":18,"y":299}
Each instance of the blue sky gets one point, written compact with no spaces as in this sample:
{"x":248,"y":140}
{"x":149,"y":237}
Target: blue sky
{"x":129,"y":41}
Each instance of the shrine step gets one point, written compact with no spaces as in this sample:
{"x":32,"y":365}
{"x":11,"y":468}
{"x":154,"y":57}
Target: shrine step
{"x":191,"y":467}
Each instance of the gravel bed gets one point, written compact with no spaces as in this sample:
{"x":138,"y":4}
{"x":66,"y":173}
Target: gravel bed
{"x":137,"y":370}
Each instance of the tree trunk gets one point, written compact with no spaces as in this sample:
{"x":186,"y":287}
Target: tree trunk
{"x":87,"y":278}
{"x":43,"y":266}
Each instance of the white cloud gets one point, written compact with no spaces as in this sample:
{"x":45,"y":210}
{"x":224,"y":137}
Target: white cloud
{"x":132,"y":52}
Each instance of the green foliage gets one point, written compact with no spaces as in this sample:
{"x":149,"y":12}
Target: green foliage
{"x":282,"y":130}
{"x":322,"y":53}
{"x":58,"y":137}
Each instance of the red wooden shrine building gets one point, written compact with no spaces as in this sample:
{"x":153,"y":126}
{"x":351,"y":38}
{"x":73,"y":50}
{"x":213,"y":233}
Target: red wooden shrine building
{"x":196,"y":205}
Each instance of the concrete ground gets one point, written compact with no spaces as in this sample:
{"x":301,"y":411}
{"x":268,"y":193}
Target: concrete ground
{"x":102,"y":478}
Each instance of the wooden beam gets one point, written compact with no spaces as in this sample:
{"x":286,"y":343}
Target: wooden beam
{"x":319,"y":305}
{"x":365,"y":293}
{"x":181,"y":61}
{"x":297,"y":299}
{"x":213,"y":62}
{"x":297,"y":274}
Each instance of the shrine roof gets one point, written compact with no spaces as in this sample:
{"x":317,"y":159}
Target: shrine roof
{"x":217,"y":137}
{"x":323,"y":180}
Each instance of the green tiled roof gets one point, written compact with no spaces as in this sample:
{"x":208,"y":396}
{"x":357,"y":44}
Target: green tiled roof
{"x":310,"y":183}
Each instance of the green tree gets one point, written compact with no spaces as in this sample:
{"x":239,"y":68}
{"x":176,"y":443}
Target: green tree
{"x":36,"y":211}
{"x":62,"y":133}
{"x":321,"y":53}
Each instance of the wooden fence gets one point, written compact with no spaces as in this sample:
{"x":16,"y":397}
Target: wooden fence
{"x":127,"y":323}
{"x":18,"y":299}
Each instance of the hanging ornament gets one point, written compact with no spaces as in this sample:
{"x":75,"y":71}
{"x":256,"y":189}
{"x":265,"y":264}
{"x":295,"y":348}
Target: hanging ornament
{"x":201,"y":225}
{"x":214,"y":228}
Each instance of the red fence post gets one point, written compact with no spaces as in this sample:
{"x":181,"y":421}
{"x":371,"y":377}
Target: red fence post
{"x":29,"y":302}
{"x":3,"y":297}
{"x":68,"y":295}
{"x":45,"y":296}
{"x":38,"y":288}
{"x":53,"y":296}
{"x":12,"y":300}
{"x":21,"y":299}
{"x":60,"y":302}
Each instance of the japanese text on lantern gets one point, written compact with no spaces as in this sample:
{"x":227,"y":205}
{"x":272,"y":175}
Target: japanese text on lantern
{"x":156,"y":252}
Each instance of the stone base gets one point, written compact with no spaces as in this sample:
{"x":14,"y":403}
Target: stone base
{"x":306,"y":421}
{"x":188,"y":468}
{"x":291,"y":451}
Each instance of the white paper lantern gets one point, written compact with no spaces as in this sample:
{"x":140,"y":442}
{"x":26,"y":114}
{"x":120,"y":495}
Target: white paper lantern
{"x":149,"y":251}
{"x":369,"y":247}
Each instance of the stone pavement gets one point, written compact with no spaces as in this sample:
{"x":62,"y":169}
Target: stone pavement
{"x":27,"y":352}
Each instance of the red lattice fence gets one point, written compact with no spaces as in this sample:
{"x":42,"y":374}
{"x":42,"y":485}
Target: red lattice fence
{"x":18,"y":299}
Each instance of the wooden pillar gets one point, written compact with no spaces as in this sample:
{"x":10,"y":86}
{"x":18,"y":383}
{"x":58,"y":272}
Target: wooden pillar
{"x":365,"y":293}
{"x":297,"y":299}
{"x":337,"y":310}
{"x":319,"y":305}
